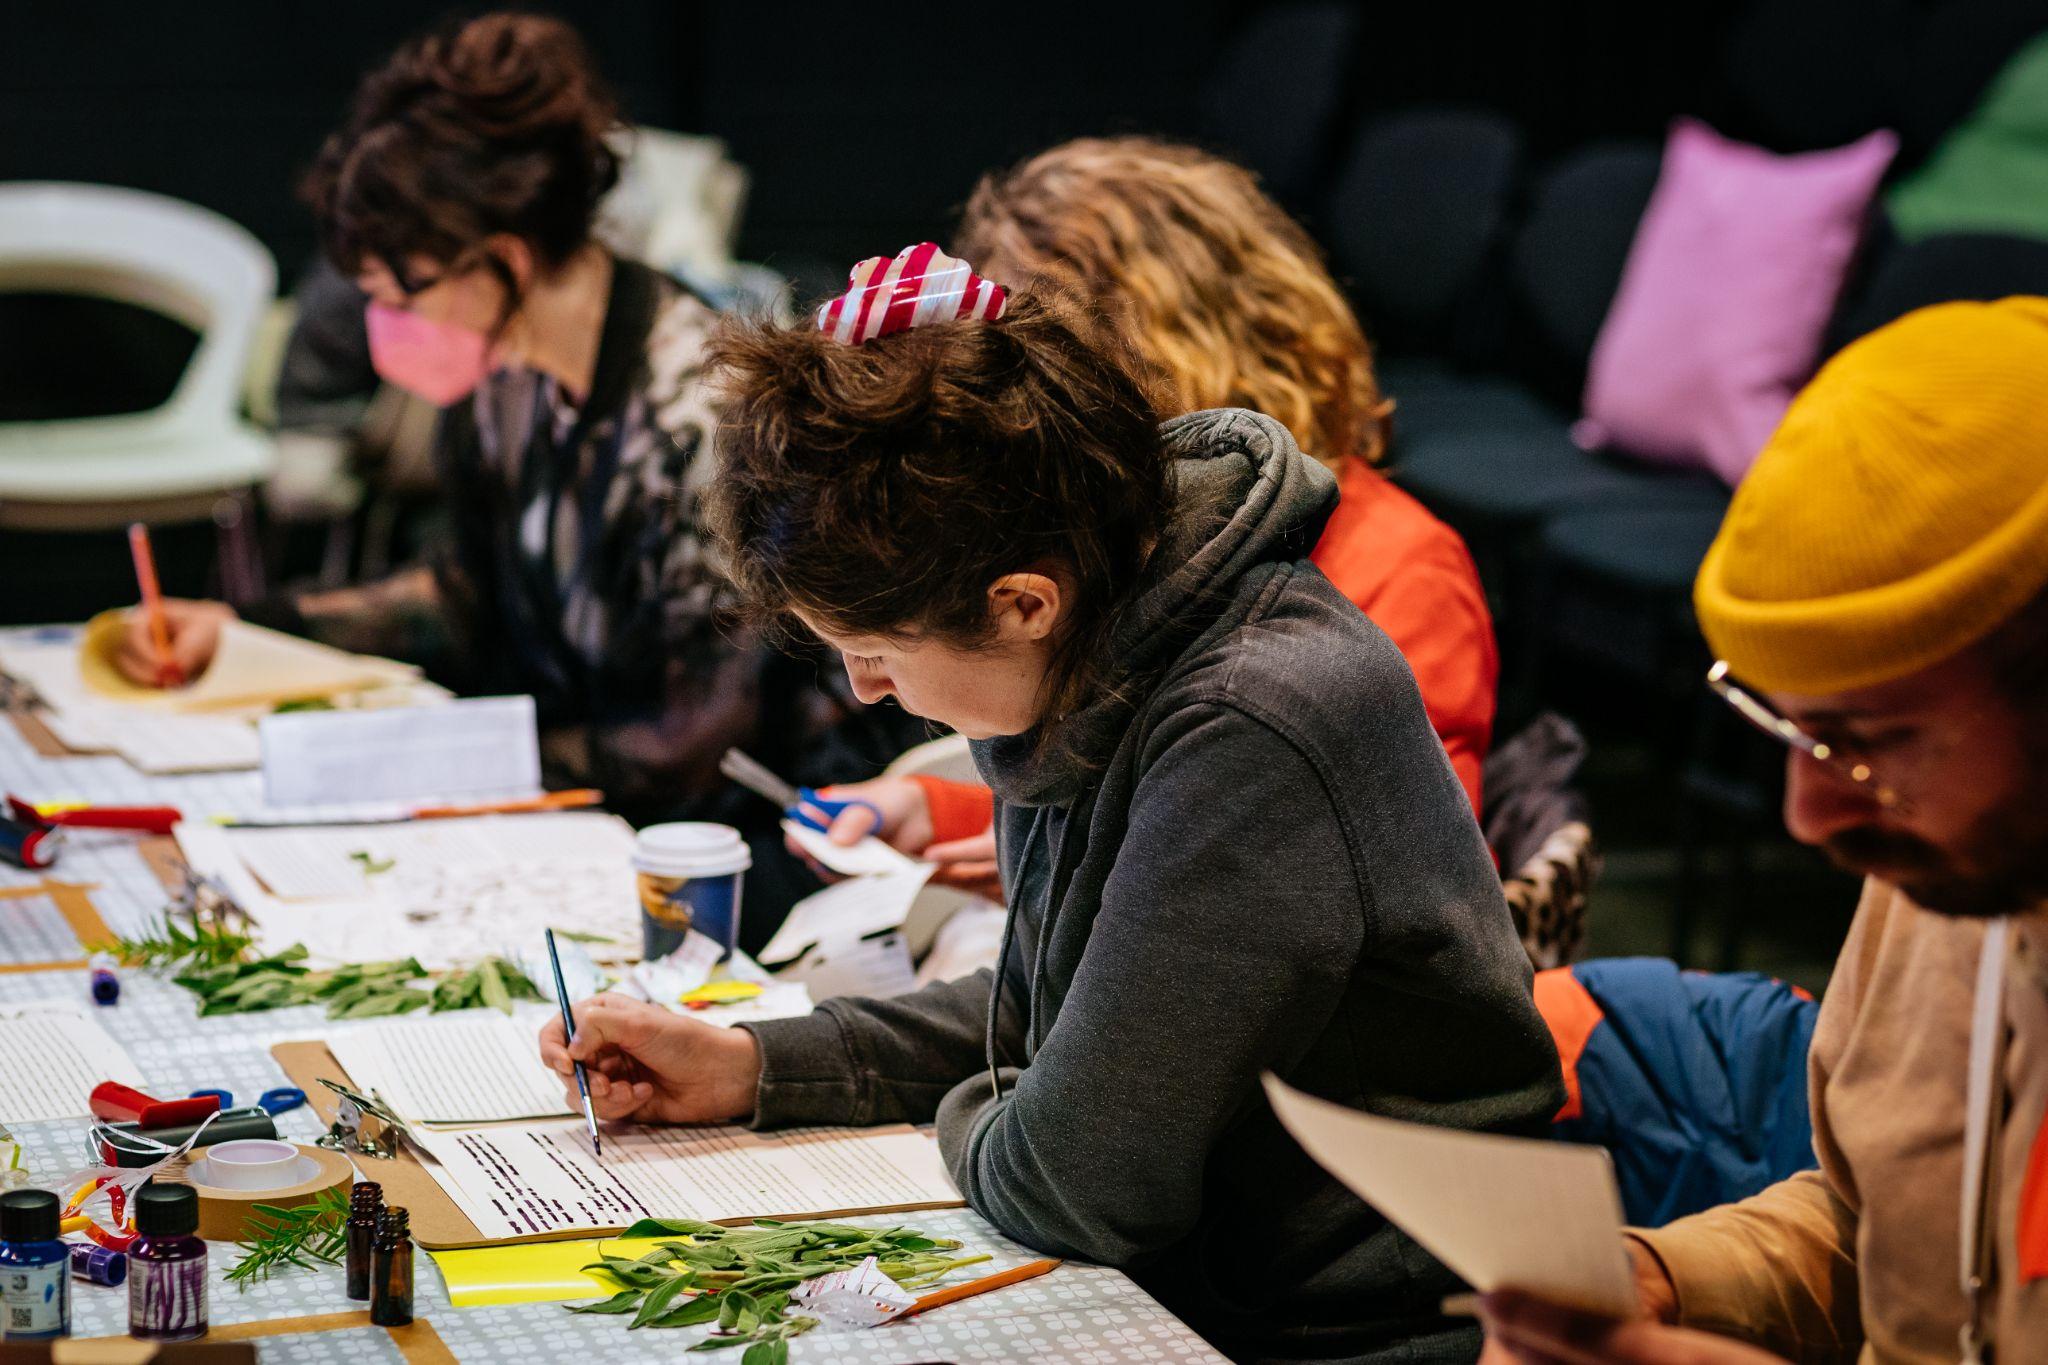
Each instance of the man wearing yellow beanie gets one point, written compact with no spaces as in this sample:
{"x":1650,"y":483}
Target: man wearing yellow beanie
{"x":1878,"y":598}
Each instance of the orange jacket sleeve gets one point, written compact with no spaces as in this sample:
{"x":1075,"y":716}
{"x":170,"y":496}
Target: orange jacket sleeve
{"x":960,"y":810}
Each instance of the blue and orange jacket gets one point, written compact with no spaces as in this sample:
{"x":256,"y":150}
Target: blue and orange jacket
{"x":1694,"y":1082}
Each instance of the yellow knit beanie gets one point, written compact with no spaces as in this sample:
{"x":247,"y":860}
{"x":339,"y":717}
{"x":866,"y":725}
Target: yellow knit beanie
{"x":1900,"y":511}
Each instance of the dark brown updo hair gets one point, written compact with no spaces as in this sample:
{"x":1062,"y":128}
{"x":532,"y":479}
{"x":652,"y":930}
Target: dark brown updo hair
{"x":881,"y":488}
{"x":494,"y":125}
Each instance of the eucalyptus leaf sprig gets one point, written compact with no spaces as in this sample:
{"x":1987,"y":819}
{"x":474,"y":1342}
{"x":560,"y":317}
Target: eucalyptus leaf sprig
{"x":740,"y":1278}
{"x":309,"y":1236}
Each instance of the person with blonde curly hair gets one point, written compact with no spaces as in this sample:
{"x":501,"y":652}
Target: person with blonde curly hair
{"x":1222,"y":300}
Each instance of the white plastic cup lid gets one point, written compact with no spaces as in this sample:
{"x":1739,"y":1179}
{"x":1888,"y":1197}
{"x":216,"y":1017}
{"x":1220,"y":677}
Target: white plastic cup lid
{"x":691,"y":849}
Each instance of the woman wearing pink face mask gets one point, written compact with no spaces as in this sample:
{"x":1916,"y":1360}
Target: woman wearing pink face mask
{"x":460,"y":196}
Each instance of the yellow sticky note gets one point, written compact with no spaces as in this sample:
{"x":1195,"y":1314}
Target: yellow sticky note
{"x":533,"y":1272}
{"x":722,"y":992}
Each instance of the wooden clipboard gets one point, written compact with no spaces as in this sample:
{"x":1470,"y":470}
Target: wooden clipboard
{"x":75,"y":905}
{"x":438,"y":1223}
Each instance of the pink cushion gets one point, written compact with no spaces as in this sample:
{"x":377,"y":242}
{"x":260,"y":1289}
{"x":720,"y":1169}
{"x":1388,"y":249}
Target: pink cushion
{"x":1729,"y":284}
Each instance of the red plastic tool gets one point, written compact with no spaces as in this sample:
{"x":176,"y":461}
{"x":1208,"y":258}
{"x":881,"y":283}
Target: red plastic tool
{"x":118,"y":1103}
{"x":147,"y":819}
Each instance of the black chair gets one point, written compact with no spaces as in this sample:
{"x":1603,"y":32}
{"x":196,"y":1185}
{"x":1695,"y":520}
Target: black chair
{"x":1273,"y":100}
{"x":1416,"y":222}
{"x":1972,"y":265}
{"x":1799,"y":75}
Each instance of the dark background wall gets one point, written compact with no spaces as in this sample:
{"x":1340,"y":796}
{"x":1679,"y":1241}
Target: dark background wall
{"x":864,"y":125}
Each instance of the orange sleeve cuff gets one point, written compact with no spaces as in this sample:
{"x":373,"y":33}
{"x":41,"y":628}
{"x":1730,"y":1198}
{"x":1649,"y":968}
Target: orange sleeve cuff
{"x":960,"y":810}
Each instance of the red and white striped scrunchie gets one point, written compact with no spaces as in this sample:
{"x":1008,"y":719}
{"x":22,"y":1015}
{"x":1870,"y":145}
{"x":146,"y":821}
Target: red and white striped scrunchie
{"x":920,"y":284}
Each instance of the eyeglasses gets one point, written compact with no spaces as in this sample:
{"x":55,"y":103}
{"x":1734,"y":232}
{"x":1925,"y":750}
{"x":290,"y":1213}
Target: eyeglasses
{"x":1774,"y":723}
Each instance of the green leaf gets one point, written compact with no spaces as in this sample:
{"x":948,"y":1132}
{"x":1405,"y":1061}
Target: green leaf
{"x":621,"y":1302}
{"x":658,"y":1301}
{"x":688,"y":1227}
{"x":701,"y":1309}
{"x":494,"y":992}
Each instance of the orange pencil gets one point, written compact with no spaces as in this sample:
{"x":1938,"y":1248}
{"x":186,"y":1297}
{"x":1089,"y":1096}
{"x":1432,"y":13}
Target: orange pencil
{"x":574,"y":799}
{"x":167,"y":672}
{"x":939,"y":1298}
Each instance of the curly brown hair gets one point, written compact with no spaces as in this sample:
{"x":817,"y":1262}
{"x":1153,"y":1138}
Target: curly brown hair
{"x":499,"y":124}
{"x":879,"y":489}
{"x":1225,"y":299}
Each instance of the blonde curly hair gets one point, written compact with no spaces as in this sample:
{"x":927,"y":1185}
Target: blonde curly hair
{"x":1224,"y":298}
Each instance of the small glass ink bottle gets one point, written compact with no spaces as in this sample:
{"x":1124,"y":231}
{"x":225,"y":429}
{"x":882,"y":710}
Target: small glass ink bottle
{"x":391,"y":1270}
{"x":35,"y":1268}
{"x":365,"y":1203}
{"x":166,"y":1265}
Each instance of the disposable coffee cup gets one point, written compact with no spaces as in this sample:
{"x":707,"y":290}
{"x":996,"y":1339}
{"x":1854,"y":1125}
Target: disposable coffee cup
{"x":691,"y":876}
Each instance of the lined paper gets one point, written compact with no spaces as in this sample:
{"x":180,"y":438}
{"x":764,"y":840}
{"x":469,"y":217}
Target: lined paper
{"x":55,"y":1053}
{"x":534,"y":1178}
{"x":466,"y":1067}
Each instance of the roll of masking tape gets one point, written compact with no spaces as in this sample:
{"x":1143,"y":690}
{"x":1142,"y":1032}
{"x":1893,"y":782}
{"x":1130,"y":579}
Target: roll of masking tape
{"x":224,"y":1210}
{"x":251,"y":1164}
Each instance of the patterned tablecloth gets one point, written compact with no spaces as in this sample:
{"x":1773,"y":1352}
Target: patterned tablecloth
{"x":1079,"y":1313}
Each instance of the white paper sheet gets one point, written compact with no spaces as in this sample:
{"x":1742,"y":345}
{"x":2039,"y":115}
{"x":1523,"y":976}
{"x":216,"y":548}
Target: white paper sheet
{"x":877,"y":967}
{"x":849,"y":910}
{"x":479,"y":1067}
{"x":485,"y":746}
{"x":1501,"y":1212}
{"x":155,"y":742}
{"x":869,"y":857}
{"x":52,"y":1053}
{"x":541,"y":1177}
{"x":456,"y":890}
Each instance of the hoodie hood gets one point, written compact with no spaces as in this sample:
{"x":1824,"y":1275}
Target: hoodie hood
{"x":1245,"y":498}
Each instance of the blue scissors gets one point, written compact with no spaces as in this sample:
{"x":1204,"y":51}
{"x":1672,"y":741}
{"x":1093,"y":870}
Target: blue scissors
{"x":801,"y":804}
{"x":282,"y":1100}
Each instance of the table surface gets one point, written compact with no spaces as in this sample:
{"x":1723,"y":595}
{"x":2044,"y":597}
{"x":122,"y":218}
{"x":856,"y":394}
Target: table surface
{"x":1079,"y":1313}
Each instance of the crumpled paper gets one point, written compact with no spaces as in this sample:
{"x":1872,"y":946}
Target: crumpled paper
{"x":860,"y":1297}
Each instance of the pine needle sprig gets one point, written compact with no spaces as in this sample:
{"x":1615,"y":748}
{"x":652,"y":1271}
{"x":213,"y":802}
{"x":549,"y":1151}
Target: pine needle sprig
{"x":306,"y":1237}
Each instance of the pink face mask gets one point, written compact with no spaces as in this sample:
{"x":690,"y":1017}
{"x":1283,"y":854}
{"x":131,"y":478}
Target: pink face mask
{"x":439,"y":361}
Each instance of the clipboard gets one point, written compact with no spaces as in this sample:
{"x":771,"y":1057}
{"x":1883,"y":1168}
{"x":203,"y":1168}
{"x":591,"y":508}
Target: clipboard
{"x":75,"y":905}
{"x":438,"y":1223}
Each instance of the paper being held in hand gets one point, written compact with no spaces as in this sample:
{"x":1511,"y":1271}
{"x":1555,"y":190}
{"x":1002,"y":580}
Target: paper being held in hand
{"x":1501,"y":1212}
{"x":867,"y":858}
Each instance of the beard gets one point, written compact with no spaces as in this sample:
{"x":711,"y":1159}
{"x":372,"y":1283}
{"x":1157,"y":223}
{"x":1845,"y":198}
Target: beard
{"x":1999,"y":868}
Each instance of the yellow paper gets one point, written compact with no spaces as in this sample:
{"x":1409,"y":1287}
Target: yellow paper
{"x":252,"y":667}
{"x":534,"y":1272}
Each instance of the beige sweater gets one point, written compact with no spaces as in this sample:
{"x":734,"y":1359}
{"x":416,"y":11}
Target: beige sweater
{"x":1862,"y":1257}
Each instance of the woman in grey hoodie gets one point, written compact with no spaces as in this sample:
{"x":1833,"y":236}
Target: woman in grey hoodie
{"x":1229,"y":839}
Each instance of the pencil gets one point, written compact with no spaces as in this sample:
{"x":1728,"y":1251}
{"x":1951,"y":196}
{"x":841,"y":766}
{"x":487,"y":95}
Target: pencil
{"x":1030,"y":1270}
{"x":572,"y":799}
{"x":167,"y":672}
{"x":568,"y":1032}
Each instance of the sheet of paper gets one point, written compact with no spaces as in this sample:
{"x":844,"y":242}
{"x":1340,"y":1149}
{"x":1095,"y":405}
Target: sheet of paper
{"x":453,"y":890}
{"x":877,"y":967}
{"x":541,"y":1177}
{"x":479,"y":1067}
{"x":155,"y":742}
{"x":413,"y":754}
{"x":252,"y":668}
{"x":33,"y":929}
{"x":869,"y":857}
{"x":848,"y":910}
{"x":1501,"y":1212}
{"x":52,"y":1053}
{"x":533,"y":1272}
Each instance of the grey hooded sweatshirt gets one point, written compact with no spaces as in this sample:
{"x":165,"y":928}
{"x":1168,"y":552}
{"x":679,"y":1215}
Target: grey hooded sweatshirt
{"x":1249,"y":854}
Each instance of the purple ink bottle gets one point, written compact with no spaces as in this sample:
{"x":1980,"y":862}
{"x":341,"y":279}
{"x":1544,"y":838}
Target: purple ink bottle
{"x":35,"y":1280}
{"x":166,"y":1265}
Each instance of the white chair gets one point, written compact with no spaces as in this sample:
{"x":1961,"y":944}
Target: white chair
{"x":947,"y":757}
{"x":938,"y":906}
{"x":174,"y":462}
